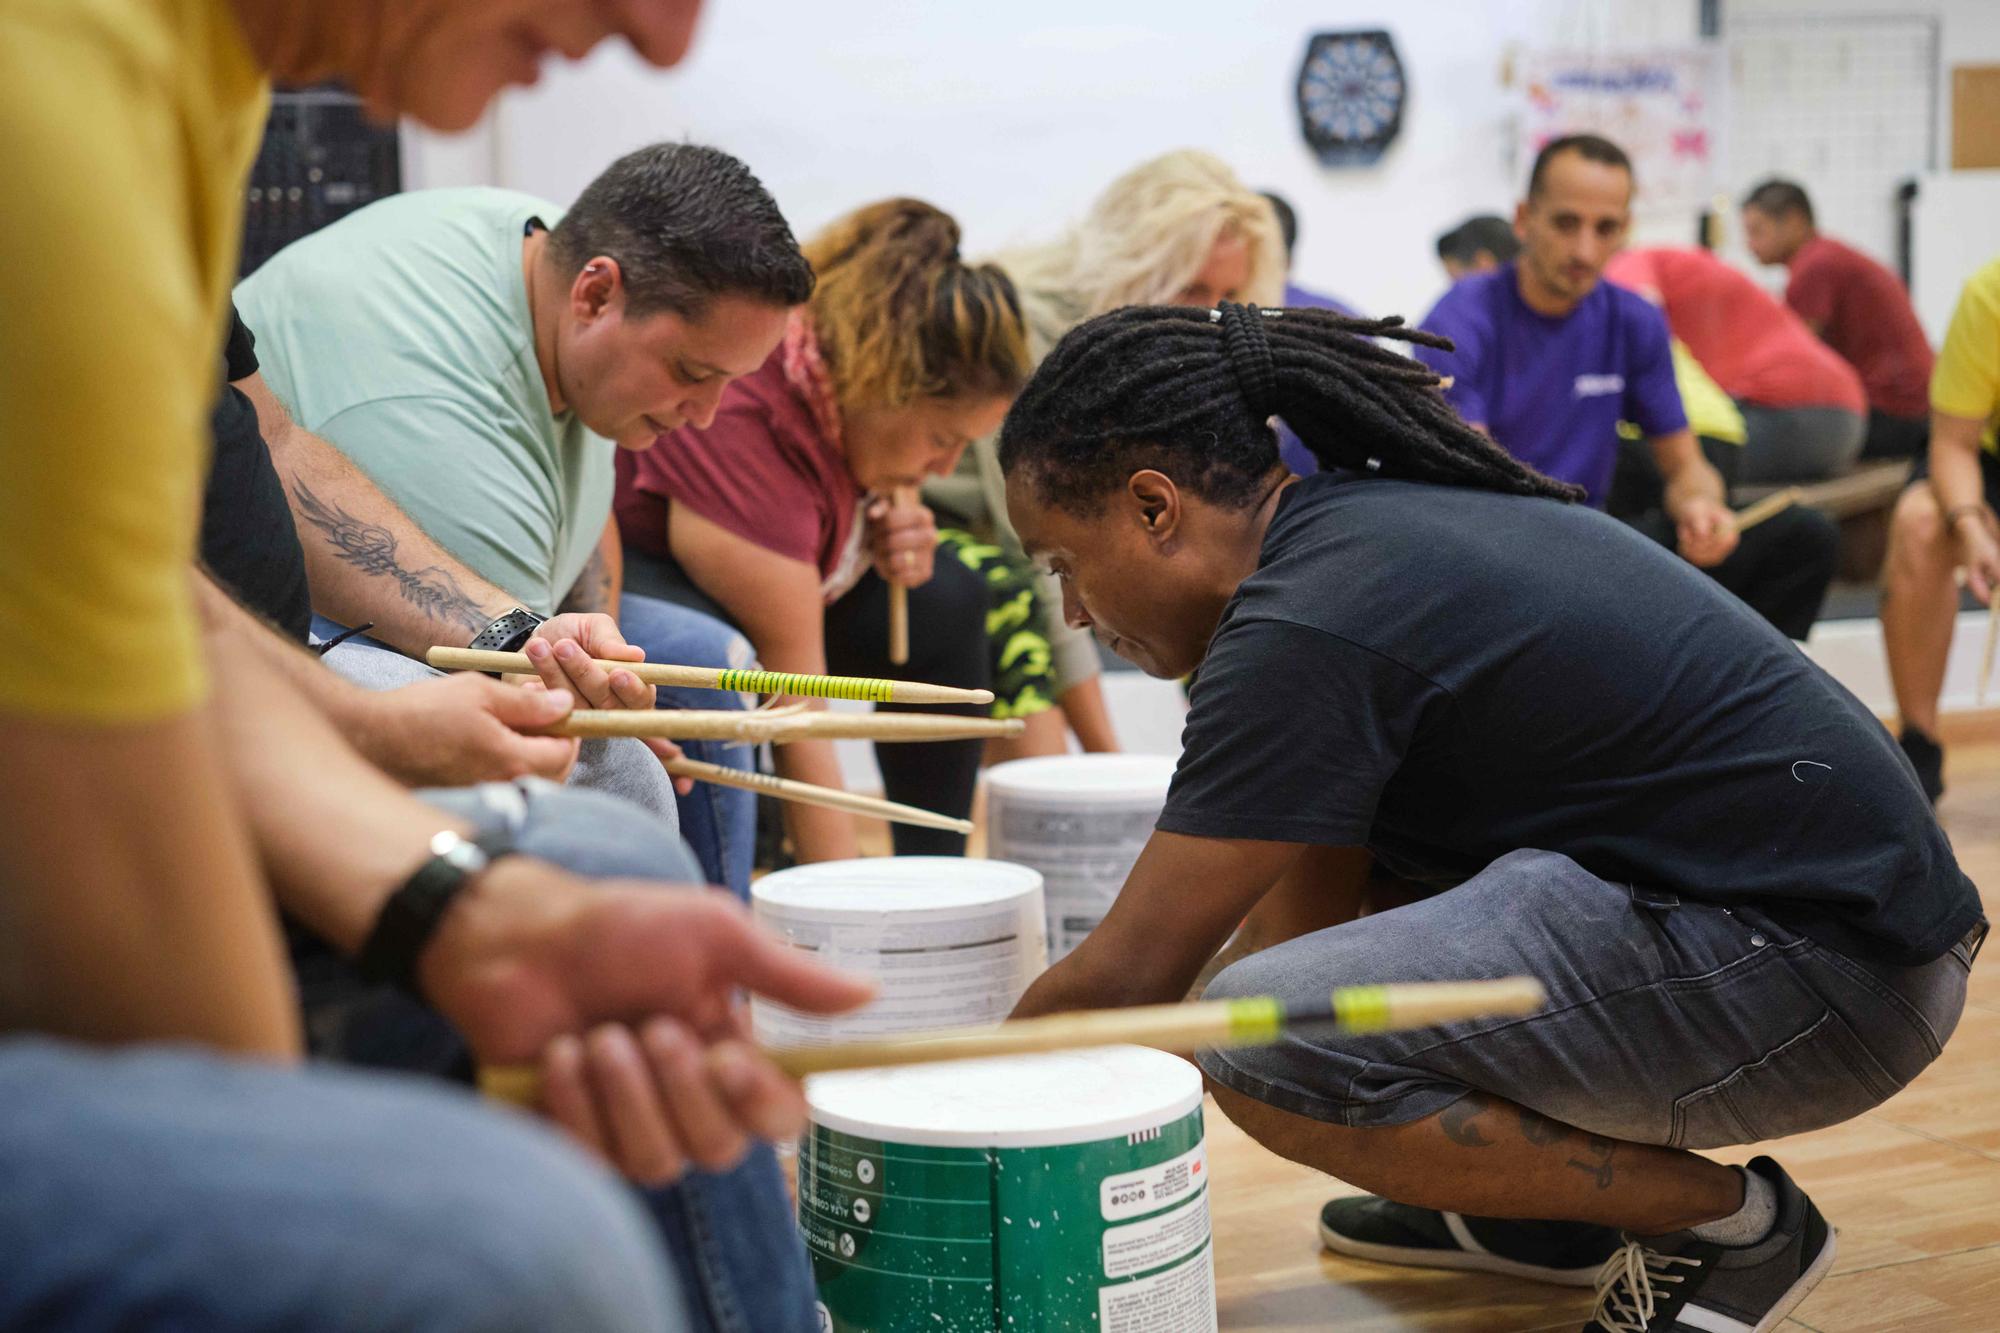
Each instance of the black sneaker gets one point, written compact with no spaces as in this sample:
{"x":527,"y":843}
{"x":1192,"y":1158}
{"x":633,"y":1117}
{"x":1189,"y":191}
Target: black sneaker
{"x":1568,"y":1254}
{"x":1677,"y":1283}
{"x":1927,"y":757}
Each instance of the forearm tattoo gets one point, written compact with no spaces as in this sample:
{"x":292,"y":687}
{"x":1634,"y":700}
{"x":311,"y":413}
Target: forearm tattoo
{"x":592,"y":590}
{"x":371,"y":548}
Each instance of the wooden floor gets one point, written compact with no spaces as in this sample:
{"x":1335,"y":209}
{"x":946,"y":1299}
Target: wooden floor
{"x":1913,"y":1187}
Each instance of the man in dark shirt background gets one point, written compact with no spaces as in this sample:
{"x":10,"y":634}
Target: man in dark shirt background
{"x":1857,"y":305}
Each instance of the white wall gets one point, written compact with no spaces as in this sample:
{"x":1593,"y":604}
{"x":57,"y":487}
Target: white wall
{"x":1014,"y":116}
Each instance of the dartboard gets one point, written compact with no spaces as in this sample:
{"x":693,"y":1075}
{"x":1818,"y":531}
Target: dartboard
{"x":1351,"y":91}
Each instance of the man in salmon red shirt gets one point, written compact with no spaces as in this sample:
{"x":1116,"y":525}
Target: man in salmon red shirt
{"x":1803,"y":408}
{"x":1858,"y":306}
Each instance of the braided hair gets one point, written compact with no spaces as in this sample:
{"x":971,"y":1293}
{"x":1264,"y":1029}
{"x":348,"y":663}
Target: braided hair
{"x":1189,"y":391}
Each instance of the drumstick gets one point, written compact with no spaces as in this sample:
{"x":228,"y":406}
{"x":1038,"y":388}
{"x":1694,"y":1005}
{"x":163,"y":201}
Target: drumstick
{"x":778,"y":726}
{"x":1769,"y":507}
{"x":899,"y":597}
{"x":713,"y":678}
{"x":805,"y":793}
{"x":1177,"y":1028}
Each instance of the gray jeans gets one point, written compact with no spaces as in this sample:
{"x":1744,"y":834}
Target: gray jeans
{"x":1669,"y":1021}
{"x":1797,"y":444}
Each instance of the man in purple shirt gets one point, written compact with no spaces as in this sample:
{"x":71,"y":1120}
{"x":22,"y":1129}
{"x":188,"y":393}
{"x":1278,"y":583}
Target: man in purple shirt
{"x":1549,"y":359}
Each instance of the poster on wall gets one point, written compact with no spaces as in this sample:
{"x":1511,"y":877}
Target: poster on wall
{"x":1662,"y":106}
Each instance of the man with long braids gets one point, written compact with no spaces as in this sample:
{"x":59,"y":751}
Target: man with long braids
{"x":1605,"y":771}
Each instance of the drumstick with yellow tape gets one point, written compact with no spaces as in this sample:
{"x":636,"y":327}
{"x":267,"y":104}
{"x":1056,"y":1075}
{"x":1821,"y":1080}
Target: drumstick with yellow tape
{"x":1177,"y":1028}
{"x":864,"y":688}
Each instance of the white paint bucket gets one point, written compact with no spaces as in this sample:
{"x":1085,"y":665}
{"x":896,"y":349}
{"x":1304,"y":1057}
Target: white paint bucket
{"x":1044,"y":1194}
{"x":1081,"y":820}
{"x":952,"y":942}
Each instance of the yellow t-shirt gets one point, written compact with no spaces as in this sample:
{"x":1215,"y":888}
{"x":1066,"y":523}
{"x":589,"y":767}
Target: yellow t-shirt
{"x":127,"y":128}
{"x":1966,"y":382}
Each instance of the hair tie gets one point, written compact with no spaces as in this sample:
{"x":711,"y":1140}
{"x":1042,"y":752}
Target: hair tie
{"x":1248,"y":348}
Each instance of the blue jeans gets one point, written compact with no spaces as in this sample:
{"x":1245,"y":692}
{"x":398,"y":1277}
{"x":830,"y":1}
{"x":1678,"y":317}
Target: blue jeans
{"x":720,"y":823}
{"x":731,"y":1234}
{"x":1670,"y":1021}
{"x":165,"y":1188}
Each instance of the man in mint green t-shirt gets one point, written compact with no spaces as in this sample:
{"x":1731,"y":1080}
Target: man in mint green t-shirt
{"x":476,"y":355}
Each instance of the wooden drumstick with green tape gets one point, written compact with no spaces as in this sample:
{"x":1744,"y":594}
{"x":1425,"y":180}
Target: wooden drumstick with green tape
{"x":1178,"y":1028}
{"x":864,"y":688}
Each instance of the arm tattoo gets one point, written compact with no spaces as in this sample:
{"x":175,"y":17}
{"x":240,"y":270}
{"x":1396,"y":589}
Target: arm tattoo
{"x":592,"y":590}
{"x":1456,"y":1122}
{"x":371,"y":548}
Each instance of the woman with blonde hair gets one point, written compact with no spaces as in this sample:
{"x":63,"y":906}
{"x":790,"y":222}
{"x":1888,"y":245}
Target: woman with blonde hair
{"x":1180,"y":229}
{"x":792,"y":512}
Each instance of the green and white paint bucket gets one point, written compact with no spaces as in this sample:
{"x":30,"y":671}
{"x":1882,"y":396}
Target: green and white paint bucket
{"x":1045,"y":1194}
{"x":952,"y":942}
{"x":1080,"y":819}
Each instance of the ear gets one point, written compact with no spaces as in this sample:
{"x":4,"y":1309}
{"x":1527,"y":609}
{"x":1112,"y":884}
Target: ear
{"x":1521,"y":221}
{"x":599,"y":287}
{"x":1154,"y":503}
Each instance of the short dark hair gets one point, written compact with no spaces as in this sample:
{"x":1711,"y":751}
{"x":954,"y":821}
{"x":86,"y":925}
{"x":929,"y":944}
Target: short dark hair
{"x":1487,"y":232}
{"x":686,"y":224}
{"x":1288,"y":221}
{"x":1778,"y":197}
{"x":1590,"y":147}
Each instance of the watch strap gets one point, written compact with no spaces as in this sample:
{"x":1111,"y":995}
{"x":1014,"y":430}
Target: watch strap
{"x":412,"y":914}
{"x":509,"y":632}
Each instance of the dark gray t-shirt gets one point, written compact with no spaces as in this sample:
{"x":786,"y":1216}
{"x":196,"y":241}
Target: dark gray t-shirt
{"x":1448,"y":675}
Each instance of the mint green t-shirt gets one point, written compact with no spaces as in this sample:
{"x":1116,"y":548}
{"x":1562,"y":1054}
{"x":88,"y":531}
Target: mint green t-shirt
{"x":401,"y":335}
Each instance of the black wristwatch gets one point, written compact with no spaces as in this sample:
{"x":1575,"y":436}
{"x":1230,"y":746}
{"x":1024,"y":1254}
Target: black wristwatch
{"x":413,"y":912}
{"x":509,"y":632}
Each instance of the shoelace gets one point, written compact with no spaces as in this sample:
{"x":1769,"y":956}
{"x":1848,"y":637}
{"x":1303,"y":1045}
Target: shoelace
{"x":1625,"y":1294}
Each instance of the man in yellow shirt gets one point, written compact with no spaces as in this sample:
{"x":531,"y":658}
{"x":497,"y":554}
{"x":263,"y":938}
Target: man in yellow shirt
{"x":163,"y":777}
{"x":1945,"y":521}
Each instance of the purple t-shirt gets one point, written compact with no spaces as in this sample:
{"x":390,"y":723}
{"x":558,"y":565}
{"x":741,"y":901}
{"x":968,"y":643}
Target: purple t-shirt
{"x":1552,"y":390}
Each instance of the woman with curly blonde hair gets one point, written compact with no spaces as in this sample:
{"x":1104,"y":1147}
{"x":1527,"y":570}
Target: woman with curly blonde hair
{"x":1180,"y":229}
{"x":792,"y":512}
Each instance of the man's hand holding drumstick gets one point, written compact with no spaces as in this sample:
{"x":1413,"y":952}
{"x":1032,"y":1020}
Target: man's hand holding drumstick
{"x":568,"y":652}
{"x":626,"y":996}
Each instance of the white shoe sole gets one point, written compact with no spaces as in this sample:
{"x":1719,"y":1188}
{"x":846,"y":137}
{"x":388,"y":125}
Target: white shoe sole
{"x":1466,"y":1260}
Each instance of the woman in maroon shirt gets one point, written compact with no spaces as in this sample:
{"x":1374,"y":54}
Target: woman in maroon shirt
{"x":791,"y":512}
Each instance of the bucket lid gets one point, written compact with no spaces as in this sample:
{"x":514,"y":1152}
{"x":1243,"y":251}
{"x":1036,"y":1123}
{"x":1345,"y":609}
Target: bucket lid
{"x":1029,"y":1101}
{"x":868,"y":886}
{"x":1086,"y":777}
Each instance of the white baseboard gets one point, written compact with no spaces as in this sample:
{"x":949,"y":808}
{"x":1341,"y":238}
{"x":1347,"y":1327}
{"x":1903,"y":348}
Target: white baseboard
{"x":1851,"y":652}
{"x":1148,"y":713}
